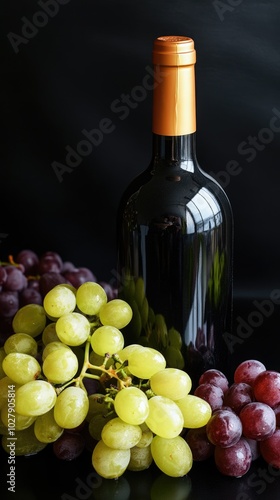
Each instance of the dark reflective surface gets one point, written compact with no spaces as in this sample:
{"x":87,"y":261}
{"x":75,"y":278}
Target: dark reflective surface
{"x":43,"y":477}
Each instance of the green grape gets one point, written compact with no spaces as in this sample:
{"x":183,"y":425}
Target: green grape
{"x":97,"y":406}
{"x":127,"y":350}
{"x":46,"y":429}
{"x":97,"y":423}
{"x":73,"y":329}
{"x":71,"y":287}
{"x":59,"y":300}
{"x":128,"y":290}
{"x":7,"y":389}
{"x":140,"y":458}
{"x":35,"y":398}
{"x":71,"y":407}
{"x":54,"y":346}
{"x":134,"y":327}
{"x":132,"y":405}
{"x":60,"y":366}
{"x":116,"y":312}
{"x":120,"y":435}
{"x":21,"y":368}
{"x":144,"y":312}
{"x":146,"y":437}
{"x":165,"y":417}
{"x":174,"y":338}
{"x":30,"y":319}
{"x":145,"y":362}
{"x":96,"y":359}
{"x":21,"y":342}
{"x":108,"y":462}
{"x":174,"y":357}
{"x":151,"y":316}
{"x":154,"y":339}
{"x":107,"y":339}
{"x":139,"y":293}
{"x":172,"y":456}
{"x":25,"y":441}
{"x":49,"y":334}
{"x":161,"y":329}
{"x":20,"y":421}
{"x":171,"y":383}
{"x":2,"y":356}
{"x":119,"y":362}
{"x":196,"y":411}
{"x":90,"y":297}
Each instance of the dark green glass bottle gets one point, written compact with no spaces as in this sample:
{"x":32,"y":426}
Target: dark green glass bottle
{"x":175,"y":232}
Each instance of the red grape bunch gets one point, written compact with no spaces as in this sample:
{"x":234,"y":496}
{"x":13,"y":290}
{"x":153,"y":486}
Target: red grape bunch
{"x":27,"y":278}
{"x":245,"y":421}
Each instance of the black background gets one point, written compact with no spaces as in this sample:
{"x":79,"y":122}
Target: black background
{"x":64,"y":78}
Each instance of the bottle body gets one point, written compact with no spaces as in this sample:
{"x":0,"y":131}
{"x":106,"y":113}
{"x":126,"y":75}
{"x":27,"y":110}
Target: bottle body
{"x":175,"y":258}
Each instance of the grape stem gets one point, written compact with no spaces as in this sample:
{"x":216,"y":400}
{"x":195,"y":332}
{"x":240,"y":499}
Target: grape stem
{"x":106,"y":373}
{"x":11,"y":262}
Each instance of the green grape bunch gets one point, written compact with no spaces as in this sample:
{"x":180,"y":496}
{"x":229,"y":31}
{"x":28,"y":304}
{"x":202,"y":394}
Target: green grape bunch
{"x":136,"y":413}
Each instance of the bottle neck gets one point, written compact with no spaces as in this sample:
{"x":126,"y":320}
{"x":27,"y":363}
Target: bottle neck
{"x":174,"y":148}
{"x":174,"y":112}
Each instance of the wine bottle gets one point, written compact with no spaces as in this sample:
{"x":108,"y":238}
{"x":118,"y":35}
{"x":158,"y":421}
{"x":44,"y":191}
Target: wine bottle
{"x":175,"y":231}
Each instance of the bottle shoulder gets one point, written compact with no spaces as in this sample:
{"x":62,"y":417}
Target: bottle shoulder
{"x":188,"y":195}
{"x":176,"y":184}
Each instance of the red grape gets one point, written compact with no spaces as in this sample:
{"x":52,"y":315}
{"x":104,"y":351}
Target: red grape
{"x":9,"y":303}
{"x":255,"y":447}
{"x":238,"y":395}
{"x":3,"y":275}
{"x":50,"y":262}
{"x":49,"y":280}
{"x":29,"y":260}
{"x":33,"y":283}
{"x":112,"y":292}
{"x":248,"y":370}
{"x":224,"y":407}
{"x":224,"y":428}
{"x":30,"y":296}
{"x":267,"y":387}
{"x":235,"y":460}
{"x":270,"y":449}
{"x":258,"y":420}
{"x":69,"y":446}
{"x":78,"y":276}
{"x":215,"y":377}
{"x":199,"y":444}
{"x":16,"y":280}
{"x":67,"y":266}
{"x":211,"y":393}
{"x":277,"y":414}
